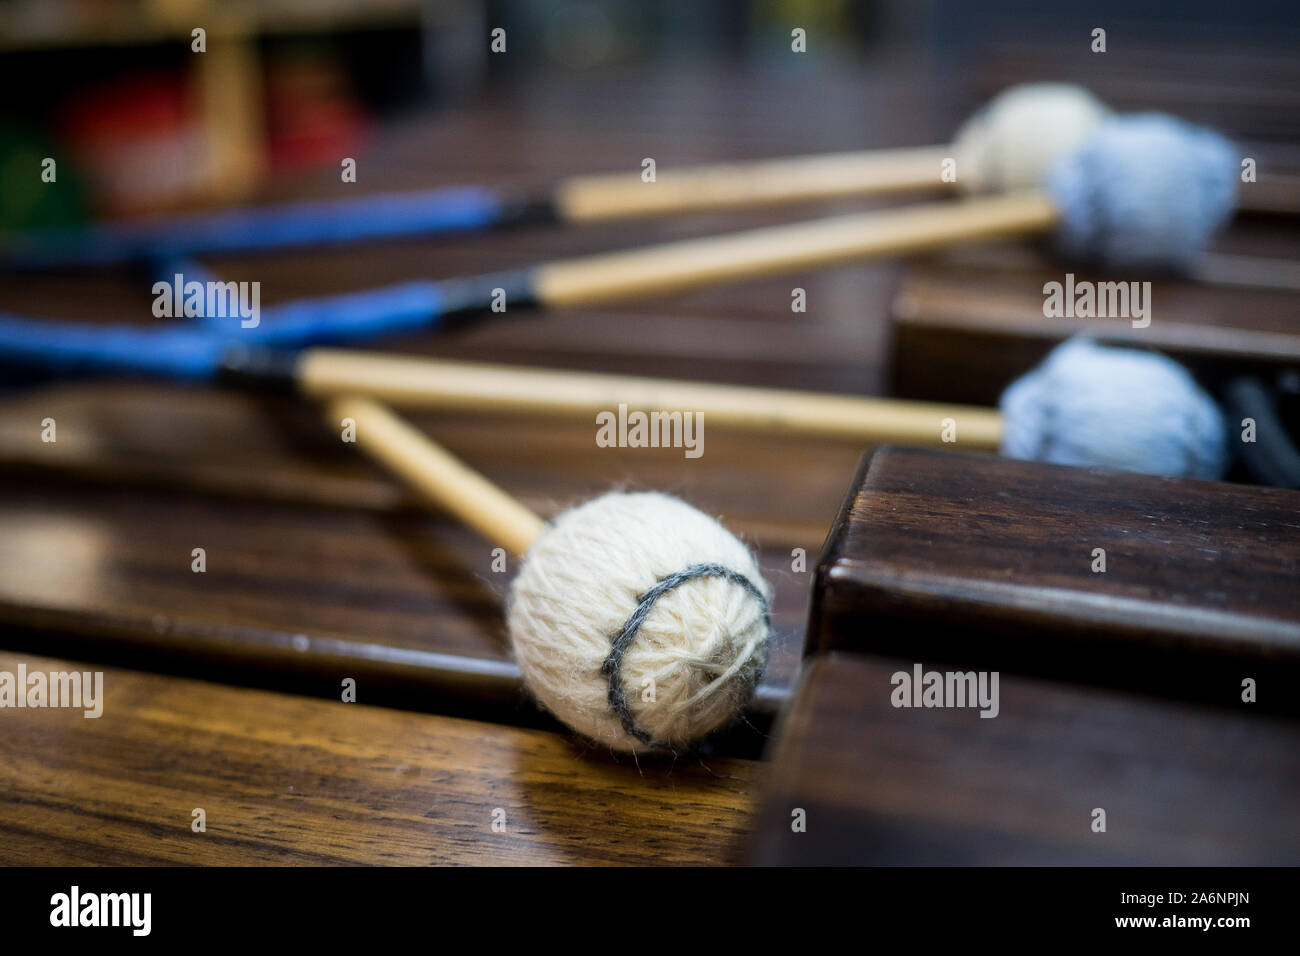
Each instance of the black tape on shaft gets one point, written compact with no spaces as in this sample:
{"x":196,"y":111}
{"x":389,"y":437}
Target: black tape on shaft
{"x":478,"y":296}
{"x":526,"y":211}
{"x":260,"y":369}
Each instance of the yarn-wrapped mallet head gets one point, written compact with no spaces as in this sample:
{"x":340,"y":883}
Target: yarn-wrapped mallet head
{"x":1015,"y":139}
{"x":636,"y":620}
{"x":1145,"y":190}
{"x":1141,"y":190}
{"x":640,"y":622}
{"x":1093,"y":405}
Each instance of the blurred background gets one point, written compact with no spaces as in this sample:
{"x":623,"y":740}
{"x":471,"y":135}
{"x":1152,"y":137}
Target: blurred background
{"x":142,"y":123}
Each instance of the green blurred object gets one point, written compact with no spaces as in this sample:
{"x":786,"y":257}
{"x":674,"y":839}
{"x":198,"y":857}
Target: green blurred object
{"x":28,"y":202}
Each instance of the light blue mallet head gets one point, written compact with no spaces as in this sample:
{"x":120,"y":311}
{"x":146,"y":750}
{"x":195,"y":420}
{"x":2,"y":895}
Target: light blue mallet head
{"x":1093,"y":405}
{"x":1144,"y":191}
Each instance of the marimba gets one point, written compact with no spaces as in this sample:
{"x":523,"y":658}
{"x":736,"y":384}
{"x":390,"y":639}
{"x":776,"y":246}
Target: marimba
{"x":1122,"y":690}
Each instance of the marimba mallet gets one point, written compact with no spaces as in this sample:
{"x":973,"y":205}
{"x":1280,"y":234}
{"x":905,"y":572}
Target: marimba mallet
{"x":1142,"y":191}
{"x":1010,"y":143}
{"x":1086,"y":404}
{"x":637,"y":621}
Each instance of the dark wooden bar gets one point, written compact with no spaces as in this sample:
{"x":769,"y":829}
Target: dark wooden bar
{"x":288,"y":780}
{"x":880,"y":785}
{"x":984,"y":562}
{"x":964,"y":326}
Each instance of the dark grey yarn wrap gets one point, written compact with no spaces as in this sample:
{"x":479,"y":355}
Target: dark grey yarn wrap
{"x":613,"y":666}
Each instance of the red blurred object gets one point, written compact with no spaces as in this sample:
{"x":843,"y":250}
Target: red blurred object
{"x":312,"y":115}
{"x":138,"y":141}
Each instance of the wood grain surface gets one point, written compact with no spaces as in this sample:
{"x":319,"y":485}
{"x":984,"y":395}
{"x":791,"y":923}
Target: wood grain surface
{"x":1180,"y":786}
{"x":290,"y":780}
{"x":989,"y":563}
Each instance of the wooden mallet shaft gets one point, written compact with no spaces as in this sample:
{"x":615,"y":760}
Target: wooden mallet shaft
{"x":413,"y":382}
{"x":600,"y":197}
{"x":746,"y":184}
{"x":436,"y":474}
{"x":777,"y":250}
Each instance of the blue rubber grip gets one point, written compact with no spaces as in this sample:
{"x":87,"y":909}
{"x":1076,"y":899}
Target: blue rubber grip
{"x":194,"y":352}
{"x":386,"y":215}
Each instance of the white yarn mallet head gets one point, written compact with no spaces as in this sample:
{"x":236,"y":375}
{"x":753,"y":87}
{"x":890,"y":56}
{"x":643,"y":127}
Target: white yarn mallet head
{"x":638,"y":621}
{"x":1019,"y":135}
